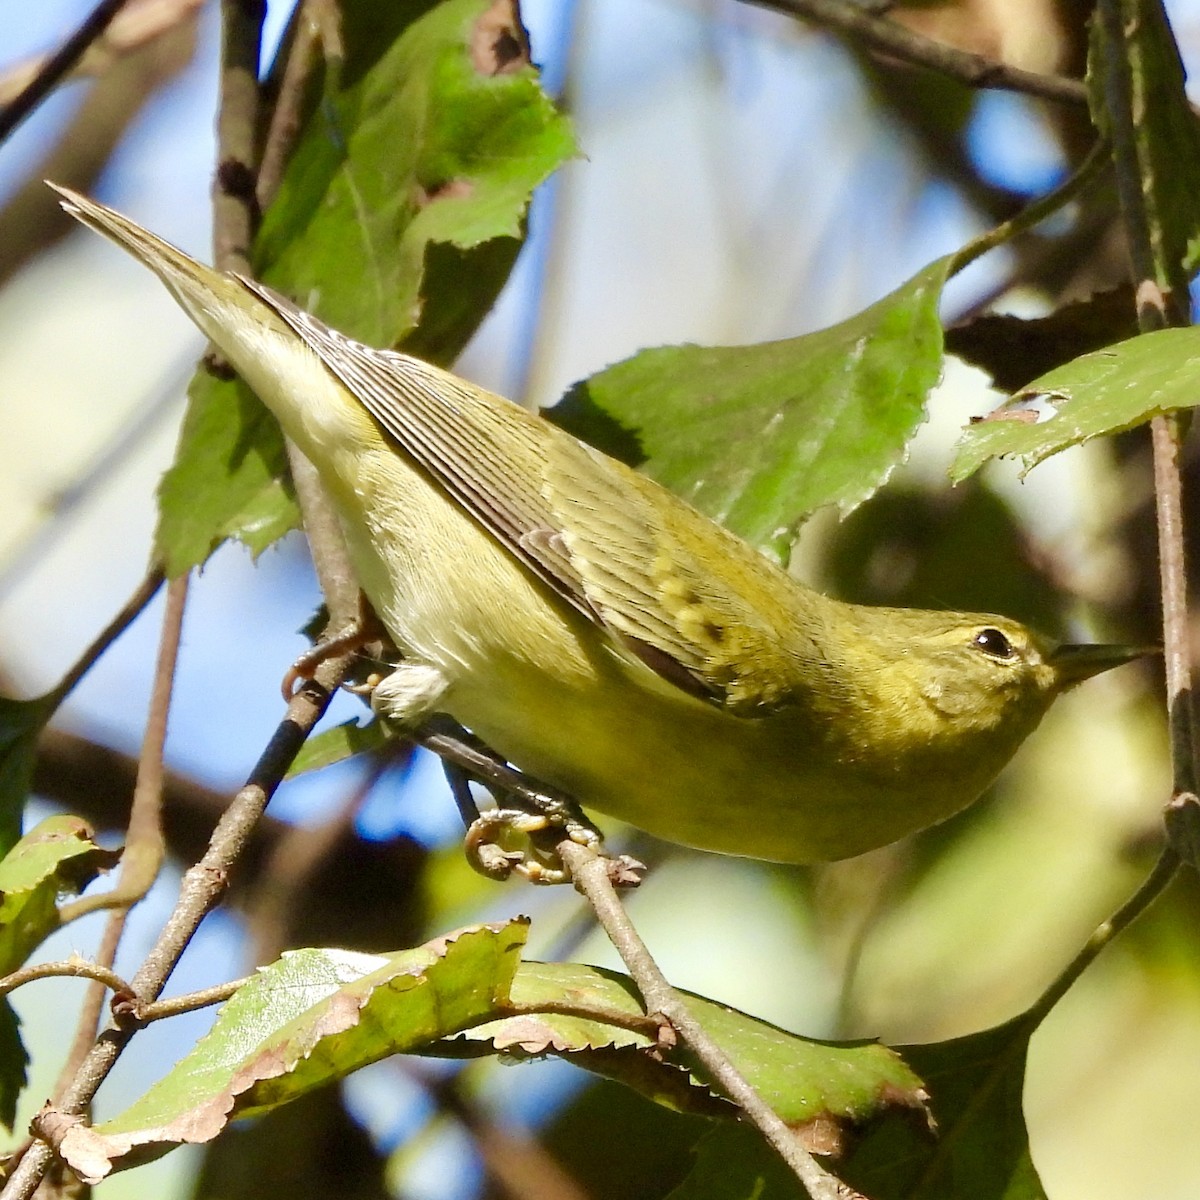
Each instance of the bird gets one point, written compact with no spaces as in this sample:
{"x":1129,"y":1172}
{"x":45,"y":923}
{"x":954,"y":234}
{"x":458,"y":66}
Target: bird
{"x":602,"y":635}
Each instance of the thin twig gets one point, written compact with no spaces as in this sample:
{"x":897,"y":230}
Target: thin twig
{"x":1166,"y":436}
{"x":70,"y":968}
{"x":144,"y":1014}
{"x":203,"y":886}
{"x":87,"y":1023}
{"x":1150,"y":889}
{"x":235,"y":211}
{"x":590,"y":874}
{"x":286,"y":114}
{"x":1078,"y":182}
{"x":884,"y":36}
{"x":1162,"y":294}
{"x":144,"y":846}
{"x":58,"y":65}
{"x":607,"y":1014}
{"x":144,"y":849}
{"x":129,"y":612}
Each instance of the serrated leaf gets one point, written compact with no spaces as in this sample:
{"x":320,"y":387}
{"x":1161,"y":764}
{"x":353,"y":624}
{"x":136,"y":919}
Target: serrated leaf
{"x":759,"y":437}
{"x":982,"y":1149}
{"x":829,"y":1086}
{"x":397,"y":221}
{"x":312,"y":1017}
{"x":229,"y":478}
{"x":21,"y":721}
{"x":1108,"y":391}
{"x":337,"y":744}
{"x":54,"y":857}
{"x":428,"y":149}
{"x":318,"y":1015}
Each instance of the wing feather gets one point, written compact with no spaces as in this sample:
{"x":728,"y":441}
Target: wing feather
{"x":584,"y":524}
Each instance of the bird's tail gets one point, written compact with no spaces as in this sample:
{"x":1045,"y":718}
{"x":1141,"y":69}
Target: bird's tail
{"x":206,"y":295}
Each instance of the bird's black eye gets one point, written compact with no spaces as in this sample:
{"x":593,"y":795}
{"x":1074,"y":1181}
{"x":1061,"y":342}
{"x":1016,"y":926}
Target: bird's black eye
{"x":993,"y":642}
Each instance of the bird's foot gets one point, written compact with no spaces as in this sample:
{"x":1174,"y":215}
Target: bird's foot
{"x":365,"y":630}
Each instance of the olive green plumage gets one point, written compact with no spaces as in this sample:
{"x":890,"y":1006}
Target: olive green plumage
{"x":602,"y":634}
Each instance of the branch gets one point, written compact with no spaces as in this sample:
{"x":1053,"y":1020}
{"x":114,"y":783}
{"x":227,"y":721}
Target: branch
{"x":592,"y":879}
{"x":128,"y":613}
{"x":889,"y":37}
{"x":314,"y":26}
{"x":58,"y":65}
{"x":144,"y":1014}
{"x":144,"y":845}
{"x":1162,"y":300}
{"x":1075,"y":185}
{"x":70,"y":968}
{"x":203,"y":886}
{"x":204,"y":883}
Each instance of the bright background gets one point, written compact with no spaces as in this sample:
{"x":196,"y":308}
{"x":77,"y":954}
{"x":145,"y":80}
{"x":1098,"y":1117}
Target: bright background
{"x":738,"y":184}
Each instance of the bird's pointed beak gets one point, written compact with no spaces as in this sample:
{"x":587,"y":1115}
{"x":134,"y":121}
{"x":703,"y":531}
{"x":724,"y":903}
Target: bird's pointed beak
{"x":1075,"y":663}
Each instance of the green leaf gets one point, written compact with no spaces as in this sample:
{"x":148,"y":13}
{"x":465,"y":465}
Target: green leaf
{"x":759,"y":437}
{"x":317,"y":1015}
{"x":229,"y":478}
{"x":428,"y":149}
{"x":1166,"y":135}
{"x":312,"y":1017}
{"x":56,"y":856}
{"x":981,"y":1151}
{"x":14,"y":1058}
{"x":1108,"y":391}
{"x":21,"y":723}
{"x":982,"y":1148}
{"x":826,"y":1085}
{"x":337,"y":744}
{"x":397,"y":221}
{"x":734,"y":1163}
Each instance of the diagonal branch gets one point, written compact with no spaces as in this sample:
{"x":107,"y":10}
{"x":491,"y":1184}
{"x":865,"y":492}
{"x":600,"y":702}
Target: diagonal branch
{"x":58,"y":65}
{"x":888,"y":37}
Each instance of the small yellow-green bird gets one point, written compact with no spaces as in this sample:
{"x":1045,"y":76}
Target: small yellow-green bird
{"x":599,"y":632}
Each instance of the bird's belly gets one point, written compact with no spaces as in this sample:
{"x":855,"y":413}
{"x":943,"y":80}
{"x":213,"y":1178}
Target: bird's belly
{"x":690,"y":773}
{"x":545,"y":688}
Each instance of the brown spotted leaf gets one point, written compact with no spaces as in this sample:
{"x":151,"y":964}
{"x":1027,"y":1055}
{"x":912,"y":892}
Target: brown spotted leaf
{"x":312,"y":1017}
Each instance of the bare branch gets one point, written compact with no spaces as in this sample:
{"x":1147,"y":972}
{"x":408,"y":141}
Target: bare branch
{"x":888,"y":37}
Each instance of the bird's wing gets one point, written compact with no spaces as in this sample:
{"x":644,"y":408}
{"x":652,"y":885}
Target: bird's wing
{"x":583,"y":523}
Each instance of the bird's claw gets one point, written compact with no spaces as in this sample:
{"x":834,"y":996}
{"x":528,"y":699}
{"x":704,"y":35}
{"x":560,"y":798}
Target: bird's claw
{"x":489,"y":858}
{"x":539,"y":864}
{"x":365,"y":629}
